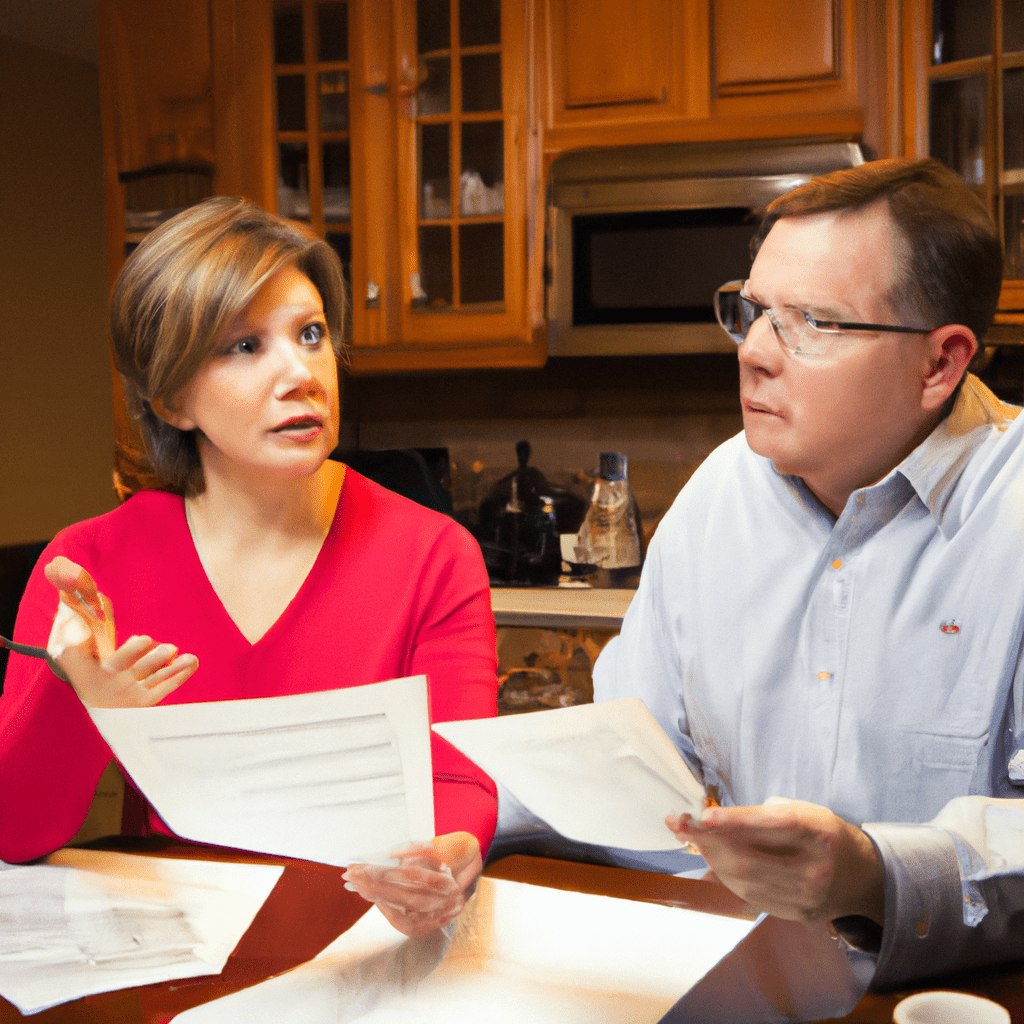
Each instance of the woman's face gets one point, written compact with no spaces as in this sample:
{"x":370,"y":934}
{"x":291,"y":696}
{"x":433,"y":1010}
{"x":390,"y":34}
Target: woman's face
{"x":266,"y":400}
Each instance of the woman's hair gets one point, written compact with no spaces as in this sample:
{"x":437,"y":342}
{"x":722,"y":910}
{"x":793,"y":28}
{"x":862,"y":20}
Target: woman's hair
{"x":176,"y":293}
{"x":949,"y":260}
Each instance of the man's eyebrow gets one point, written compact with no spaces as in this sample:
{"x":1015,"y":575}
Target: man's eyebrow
{"x":827,"y":313}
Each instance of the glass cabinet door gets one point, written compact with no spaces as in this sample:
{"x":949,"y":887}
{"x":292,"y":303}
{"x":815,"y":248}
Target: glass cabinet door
{"x":400,"y":136}
{"x":976,"y":107}
{"x":311,"y":104}
{"x":1012,"y":113}
{"x":460,"y":155}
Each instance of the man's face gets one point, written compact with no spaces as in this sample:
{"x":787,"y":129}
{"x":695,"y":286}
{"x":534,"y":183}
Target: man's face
{"x":840,"y":421}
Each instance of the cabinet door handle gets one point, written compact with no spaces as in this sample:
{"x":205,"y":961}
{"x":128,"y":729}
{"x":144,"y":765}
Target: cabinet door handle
{"x":372,"y":295}
{"x":380,"y":89}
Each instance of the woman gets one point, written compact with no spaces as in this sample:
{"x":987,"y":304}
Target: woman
{"x":276,"y":569}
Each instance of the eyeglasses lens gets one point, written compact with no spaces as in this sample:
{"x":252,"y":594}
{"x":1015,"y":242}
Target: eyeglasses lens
{"x":735,"y":312}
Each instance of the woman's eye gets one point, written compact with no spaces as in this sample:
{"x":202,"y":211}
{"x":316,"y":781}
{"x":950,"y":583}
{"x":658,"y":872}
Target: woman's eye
{"x":313,"y":334}
{"x":248,"y":346}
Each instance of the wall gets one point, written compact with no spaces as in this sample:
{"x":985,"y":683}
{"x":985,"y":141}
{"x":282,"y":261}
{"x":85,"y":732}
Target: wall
{"x":665,"y":413}
{"x":56,"y":428}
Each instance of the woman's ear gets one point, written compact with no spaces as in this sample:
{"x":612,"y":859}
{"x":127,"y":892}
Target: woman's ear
{"x":951,"y":349}
{"x":164,"y":408}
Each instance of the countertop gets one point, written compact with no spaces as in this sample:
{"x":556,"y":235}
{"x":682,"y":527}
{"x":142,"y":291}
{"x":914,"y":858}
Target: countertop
{"x":560,"y":607}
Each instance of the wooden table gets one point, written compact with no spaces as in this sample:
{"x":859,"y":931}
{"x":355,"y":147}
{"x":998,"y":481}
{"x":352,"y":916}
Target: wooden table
{"x":309,"y":907}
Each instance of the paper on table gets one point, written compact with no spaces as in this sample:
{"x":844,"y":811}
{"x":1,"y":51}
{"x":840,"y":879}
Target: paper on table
{"x":89,"y":921}
{"x":519,"y":952}
{"x":597,"y":773}
{"x":337,"y":776}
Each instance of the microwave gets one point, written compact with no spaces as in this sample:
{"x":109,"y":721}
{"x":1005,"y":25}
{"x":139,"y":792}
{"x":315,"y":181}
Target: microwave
{"x":640,"y":237}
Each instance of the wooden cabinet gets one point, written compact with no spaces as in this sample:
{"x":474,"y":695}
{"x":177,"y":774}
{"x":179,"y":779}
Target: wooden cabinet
{"x":614,"y":73}
{"x":396,"y":129}
{"x":161,"y":99}
{"x":964,"y":75}
{"x":615,"y":68}
{"x":467,"y":185}
{"x":784,"y":57}
{"x":399,"y":133}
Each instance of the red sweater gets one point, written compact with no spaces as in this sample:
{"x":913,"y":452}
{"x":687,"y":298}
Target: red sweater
{"x":396,"y":590}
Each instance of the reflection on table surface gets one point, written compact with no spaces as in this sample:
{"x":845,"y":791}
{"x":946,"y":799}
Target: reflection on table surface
{"x":309,"y":908}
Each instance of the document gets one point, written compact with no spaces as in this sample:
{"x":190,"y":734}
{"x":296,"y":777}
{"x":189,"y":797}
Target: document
{"x":597,"y":773}
{"x":337,"y":777}
{"x":89,"y":921}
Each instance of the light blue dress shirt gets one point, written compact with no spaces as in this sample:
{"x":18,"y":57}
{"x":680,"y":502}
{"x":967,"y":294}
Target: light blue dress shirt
{"x":870,"y":663}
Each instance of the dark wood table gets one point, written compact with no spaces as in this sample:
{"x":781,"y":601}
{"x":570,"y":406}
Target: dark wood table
{"x":309,"y":907}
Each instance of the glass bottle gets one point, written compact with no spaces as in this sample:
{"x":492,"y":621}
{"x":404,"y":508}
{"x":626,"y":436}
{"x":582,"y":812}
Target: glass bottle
{"x":611,"y":537}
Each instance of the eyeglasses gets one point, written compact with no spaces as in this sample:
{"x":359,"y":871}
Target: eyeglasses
{"x":800,"y":333}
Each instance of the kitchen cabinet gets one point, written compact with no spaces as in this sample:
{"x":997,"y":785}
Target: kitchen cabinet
{"x":964,"y":72}
{"x":401,"y":136}
{"x":677,"y":70}
{"x":399,"y":132}
{"x":396,"y":129}
{"x":613,"y":67}
{"x":159,"y":61}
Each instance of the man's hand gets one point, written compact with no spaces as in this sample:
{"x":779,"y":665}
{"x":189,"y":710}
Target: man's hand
{"x":427,"y":885}
{"x":139,"y":673}
{"x":792,"y":859}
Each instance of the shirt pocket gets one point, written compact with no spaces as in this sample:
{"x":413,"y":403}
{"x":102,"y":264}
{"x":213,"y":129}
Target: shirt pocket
{"x":930,"y":769}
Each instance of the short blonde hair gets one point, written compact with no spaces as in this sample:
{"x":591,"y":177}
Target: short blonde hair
{"x":176,"y":293}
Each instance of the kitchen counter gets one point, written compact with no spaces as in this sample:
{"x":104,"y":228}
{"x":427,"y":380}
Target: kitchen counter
{"x":560,"y":607}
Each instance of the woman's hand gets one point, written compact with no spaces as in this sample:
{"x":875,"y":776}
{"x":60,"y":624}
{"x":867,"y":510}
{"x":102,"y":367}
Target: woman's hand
{"x":425,"y":886}
{"x":139,"y":673}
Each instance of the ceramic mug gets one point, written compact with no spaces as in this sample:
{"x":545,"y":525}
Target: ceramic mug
{"x":949,"y":1008}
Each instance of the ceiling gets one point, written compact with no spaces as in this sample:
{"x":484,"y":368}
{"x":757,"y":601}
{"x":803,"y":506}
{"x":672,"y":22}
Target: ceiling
{"x":60,"y":26}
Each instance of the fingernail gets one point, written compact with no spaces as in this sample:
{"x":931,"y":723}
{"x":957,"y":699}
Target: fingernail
{"x":351,"y":887}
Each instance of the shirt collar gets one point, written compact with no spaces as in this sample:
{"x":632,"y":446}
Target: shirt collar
{"x":935,"y":467}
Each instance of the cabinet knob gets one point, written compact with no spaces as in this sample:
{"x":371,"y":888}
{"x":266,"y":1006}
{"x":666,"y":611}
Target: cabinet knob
{"x":372,"y":295}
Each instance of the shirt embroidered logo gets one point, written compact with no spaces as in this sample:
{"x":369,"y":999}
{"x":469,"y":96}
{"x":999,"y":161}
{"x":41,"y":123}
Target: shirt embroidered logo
{"x":949,"y":627}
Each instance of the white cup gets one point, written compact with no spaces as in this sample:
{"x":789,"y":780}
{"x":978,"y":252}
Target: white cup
{"x":949,"y":1008}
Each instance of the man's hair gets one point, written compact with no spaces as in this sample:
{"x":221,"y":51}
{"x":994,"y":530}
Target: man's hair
{"x":949,"y":260}
{"x":176,"y":293}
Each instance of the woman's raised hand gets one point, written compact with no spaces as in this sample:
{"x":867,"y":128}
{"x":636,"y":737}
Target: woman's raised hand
{"x":82,"y":642}
{"x":424,"y":886}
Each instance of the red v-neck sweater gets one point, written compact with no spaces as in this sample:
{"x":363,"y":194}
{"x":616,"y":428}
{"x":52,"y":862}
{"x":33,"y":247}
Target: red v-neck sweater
{"x":396,"y":590}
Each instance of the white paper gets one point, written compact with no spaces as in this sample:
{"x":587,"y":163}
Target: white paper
{"x":88,"y":921}
{"x":519,"y":953}
{"x":337,"y":776}
{"x":597,"y":773}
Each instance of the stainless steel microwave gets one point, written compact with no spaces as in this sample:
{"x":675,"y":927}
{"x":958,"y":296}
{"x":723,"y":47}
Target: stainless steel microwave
{"x":640,"y":237}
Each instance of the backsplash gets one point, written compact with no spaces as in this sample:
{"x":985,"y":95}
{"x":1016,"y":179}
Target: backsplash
{"x":664,"y":413}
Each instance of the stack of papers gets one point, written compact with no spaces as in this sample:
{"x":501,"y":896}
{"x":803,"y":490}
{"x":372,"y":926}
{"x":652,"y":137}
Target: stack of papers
{"x":89,"y":921}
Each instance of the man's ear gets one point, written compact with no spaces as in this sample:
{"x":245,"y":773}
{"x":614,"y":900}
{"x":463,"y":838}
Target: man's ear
{"x":164,"y":408}
{"x":950,"y":350}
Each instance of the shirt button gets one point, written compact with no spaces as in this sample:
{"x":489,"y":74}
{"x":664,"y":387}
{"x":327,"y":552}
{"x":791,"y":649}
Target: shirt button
{"x":837,"y":564}
{"x":824,"y":675}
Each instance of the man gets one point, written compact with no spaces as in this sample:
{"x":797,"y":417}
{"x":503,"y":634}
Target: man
{"x":832,"y":611}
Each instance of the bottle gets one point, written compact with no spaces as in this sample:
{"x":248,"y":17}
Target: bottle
{"x":611,"y":537}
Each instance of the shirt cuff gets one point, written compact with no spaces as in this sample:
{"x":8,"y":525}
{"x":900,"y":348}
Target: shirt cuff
{"x":924,"y":929}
